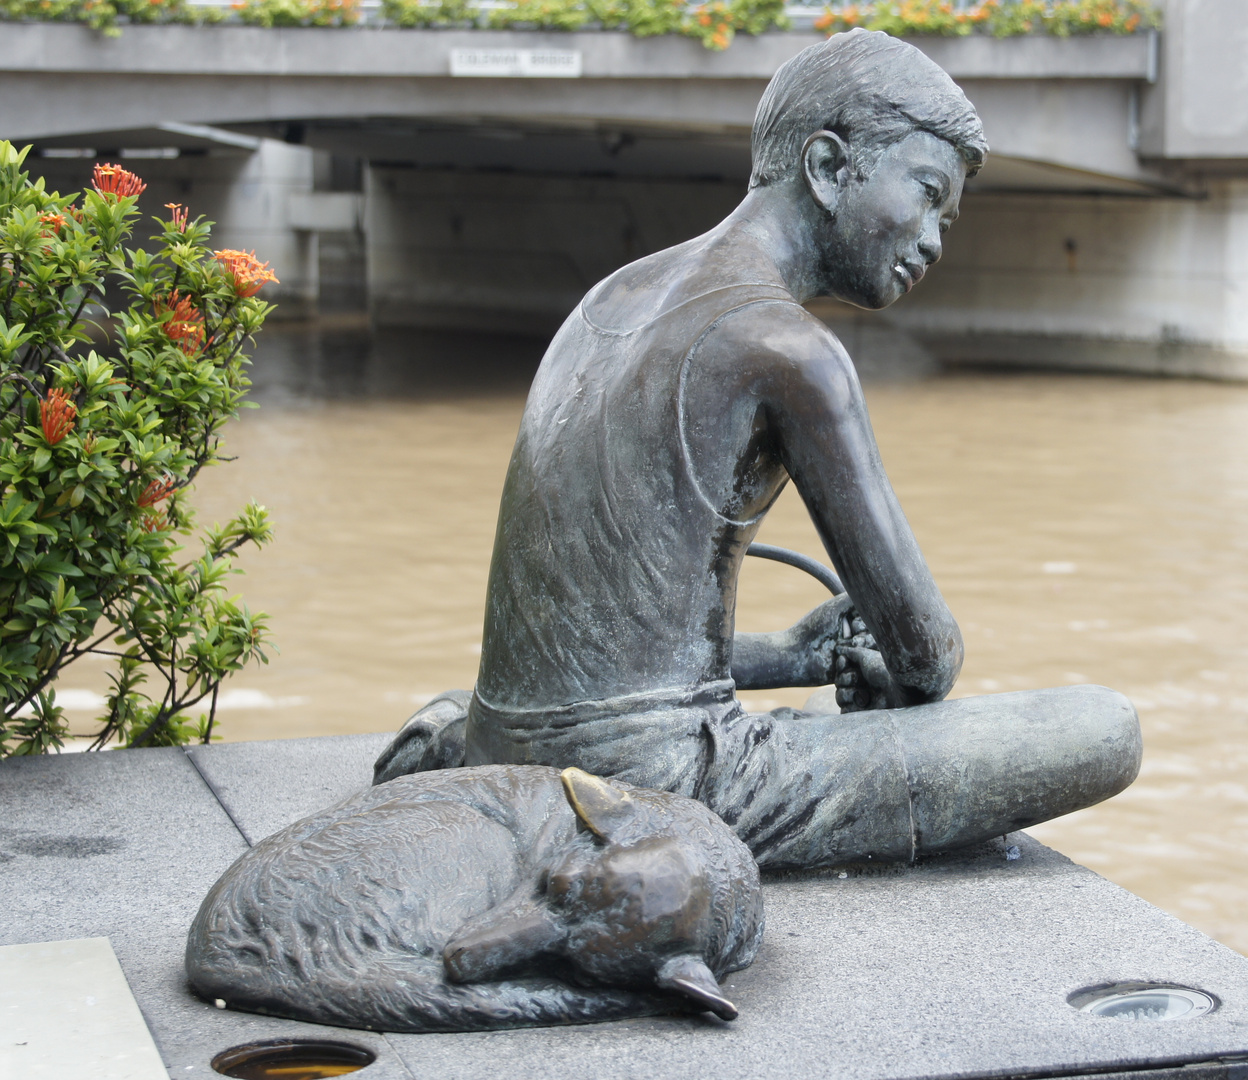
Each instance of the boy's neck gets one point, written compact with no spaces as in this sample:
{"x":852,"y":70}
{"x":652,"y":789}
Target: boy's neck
{"x":772,"y":220}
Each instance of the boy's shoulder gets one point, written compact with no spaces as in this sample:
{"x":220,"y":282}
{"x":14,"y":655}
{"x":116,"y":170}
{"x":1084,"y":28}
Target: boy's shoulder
{"x":773,"y":329}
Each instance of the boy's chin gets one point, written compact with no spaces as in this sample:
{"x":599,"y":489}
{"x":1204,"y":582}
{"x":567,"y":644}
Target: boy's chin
{"x":868,"y":295}
{"x":869,"y":301}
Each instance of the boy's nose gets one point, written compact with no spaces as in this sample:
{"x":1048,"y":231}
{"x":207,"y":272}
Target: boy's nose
{"x":930,"y":246}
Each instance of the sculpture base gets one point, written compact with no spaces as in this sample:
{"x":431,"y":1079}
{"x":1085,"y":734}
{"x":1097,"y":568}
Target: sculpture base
{"x":960,"y":966}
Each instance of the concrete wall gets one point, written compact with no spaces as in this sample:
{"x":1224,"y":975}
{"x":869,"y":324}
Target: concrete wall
{"x":1199,"y":106}
{"x":246,"y":193}
{"x":1105,"y":282}
{"x":515,"y":253}
{"x":1091,"y":282}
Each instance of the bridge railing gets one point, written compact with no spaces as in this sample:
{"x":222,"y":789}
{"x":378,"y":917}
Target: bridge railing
{"x":372,"y":12}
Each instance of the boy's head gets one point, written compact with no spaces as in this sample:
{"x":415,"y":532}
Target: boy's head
{"x":870,"y":89}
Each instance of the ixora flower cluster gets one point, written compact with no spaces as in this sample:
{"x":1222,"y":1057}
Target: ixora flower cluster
{"x":713,"y":22}
{"x":106,"y":417}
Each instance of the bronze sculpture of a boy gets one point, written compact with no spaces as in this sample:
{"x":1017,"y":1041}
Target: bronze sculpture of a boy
{"x":670,"y":410}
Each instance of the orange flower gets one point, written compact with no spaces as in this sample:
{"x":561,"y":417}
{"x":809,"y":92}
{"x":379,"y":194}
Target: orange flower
{"x":248,"y":272}
{"x":55,"y":223}
{"x":1132,"y":23}
{"x":185,"y":324}
{"x":1105,"y":19}
{"x":157,"y":490}
{"x":154,"y":521}
{"x":180,"y":215}
{"x":56,"y":414}
{"x":825,"y":21}
{"x":114,"y":180}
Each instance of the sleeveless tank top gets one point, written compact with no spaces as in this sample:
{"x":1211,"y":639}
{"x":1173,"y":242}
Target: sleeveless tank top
{"x":614,"y":572}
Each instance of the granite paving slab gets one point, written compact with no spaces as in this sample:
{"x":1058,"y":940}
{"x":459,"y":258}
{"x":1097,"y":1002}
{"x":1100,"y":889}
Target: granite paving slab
{"x":959,"y":967}
{"x":124,"y":845}
{"x":265,"y":790}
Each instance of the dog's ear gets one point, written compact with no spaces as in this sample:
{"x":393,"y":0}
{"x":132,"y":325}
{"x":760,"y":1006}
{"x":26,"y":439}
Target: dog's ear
{"x":692,"y":979}
{"x":604,"y":808}
{"x":503,"y":940}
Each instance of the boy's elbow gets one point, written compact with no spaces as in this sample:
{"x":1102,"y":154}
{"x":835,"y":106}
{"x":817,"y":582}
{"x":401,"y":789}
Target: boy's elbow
{"x":932,"y":668}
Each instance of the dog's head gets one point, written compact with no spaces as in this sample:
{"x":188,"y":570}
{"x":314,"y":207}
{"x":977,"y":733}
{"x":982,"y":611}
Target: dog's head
{"x":654,"y":893}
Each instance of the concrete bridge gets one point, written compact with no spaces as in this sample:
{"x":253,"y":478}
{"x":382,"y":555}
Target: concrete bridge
{"x":1107,"y":229}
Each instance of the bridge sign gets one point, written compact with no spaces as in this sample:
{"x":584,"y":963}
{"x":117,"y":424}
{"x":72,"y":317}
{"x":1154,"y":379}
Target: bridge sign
{"x":517,"y":63}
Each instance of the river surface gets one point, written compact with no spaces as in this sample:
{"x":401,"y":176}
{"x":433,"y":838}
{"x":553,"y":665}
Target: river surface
{"x":1083,"y":529}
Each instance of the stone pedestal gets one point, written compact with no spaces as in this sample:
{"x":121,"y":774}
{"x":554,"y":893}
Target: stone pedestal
{"x":959,"y":967}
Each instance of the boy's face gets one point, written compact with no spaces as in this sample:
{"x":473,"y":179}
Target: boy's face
{"x":887,"y":228}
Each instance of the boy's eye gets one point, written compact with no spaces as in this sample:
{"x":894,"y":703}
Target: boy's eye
{"x":932,"y":191}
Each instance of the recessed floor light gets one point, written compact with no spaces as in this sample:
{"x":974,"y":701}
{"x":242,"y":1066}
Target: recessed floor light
{"x":1143,"y":1002}
{"x":292,"y":1059}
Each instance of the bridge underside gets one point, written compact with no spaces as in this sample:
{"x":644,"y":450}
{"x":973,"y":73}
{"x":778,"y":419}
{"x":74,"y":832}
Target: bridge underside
{"x":585,"y":148}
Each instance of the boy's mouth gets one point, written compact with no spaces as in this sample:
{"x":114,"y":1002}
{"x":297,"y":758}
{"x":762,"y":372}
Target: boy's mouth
{"x":909,"y":273}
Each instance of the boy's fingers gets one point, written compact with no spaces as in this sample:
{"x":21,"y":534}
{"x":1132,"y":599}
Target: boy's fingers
{"x":868,"y":662}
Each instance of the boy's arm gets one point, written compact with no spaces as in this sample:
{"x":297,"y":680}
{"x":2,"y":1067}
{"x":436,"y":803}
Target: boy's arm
{"x":814,"y":405}
{"x":802,"y":655}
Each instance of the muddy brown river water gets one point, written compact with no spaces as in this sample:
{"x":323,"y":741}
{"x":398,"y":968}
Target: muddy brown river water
{"x":1083,"y":529}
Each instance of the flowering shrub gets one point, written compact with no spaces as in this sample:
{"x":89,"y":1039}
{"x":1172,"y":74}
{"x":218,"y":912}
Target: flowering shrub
{"x":297,"y":12}
{"x":1001,"y":18}
{"x":100,"y":439}
{"x":713,"y":22}
{"x":410,"y":14}
{"x":105,"y":14}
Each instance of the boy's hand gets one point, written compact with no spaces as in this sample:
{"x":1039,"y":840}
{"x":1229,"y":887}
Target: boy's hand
{"x":862,"y":680}
{"x":817,"y":634}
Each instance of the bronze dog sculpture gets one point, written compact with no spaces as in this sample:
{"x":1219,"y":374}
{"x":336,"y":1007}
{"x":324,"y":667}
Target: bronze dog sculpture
{"x":472,"y":899}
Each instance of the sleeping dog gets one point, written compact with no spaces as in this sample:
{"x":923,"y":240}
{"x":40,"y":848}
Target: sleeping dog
{"x":472,"y":899}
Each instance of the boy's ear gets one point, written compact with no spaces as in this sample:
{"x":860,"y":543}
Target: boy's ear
{"x":692,"y":979}
{"x":825,"y":168}
{"x":603,"y":808}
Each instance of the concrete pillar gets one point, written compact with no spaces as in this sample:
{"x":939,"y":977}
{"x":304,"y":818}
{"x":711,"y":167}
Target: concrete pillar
{"x":253,"y":212}
{"x":246,"y":192}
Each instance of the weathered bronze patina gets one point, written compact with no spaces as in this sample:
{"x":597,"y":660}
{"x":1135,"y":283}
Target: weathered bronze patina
{"x":673,"y":406}
{"x":497,"y":897}
{"x":670,"y":410}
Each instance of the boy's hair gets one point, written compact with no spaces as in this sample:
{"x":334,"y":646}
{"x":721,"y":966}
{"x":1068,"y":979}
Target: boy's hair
{"x":869,"y":88}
